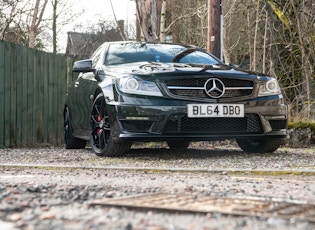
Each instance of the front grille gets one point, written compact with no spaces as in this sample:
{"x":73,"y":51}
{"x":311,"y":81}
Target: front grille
{"x":200,"y":93}
{"x":194,"y":87}
{"x":180,"y":123}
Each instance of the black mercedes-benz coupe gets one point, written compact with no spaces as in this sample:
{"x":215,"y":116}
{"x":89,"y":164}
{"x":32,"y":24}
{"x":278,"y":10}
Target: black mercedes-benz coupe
{"x":140,"y":91}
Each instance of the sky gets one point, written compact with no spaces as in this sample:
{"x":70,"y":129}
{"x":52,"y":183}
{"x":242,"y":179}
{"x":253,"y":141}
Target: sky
{"x":94,"y":10}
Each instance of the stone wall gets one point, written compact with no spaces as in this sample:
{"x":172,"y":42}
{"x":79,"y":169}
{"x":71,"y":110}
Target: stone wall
{"x":300,"y":138}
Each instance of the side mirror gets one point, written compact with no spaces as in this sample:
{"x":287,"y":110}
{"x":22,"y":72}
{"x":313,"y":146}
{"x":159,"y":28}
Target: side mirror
{"x":83,"y":66}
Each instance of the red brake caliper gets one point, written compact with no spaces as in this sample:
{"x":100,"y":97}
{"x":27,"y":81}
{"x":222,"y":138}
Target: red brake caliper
{"x":99,"y":119}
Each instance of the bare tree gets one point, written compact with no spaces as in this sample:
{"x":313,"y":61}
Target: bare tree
{"x":54,"y":25}
{"x":62,"y":14}
{"x":7,"y":15}
{"x":35,"y":16}
{"x":230,"y":42}
{"x":121,"y":32}
{"x":147,"y":19}
{"x":277,"y":38}
{"x":11,"y":23}
{"x":141,"y":19}
{"x":163,"y":29}
{"x":187,"y":21}
{"x":28,"y":23}
{"x":304,"y":38}
{"x":179,"y":19}
{"x":255,"y":41}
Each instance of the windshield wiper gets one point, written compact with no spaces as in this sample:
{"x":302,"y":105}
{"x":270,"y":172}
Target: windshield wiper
{"x":184,"y":53}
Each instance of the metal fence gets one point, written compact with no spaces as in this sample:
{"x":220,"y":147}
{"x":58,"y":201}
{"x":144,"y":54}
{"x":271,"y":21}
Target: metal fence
{"x":32,"y":89}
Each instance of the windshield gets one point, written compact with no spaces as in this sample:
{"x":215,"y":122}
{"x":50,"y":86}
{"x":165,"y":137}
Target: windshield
{"x":121,"y":53}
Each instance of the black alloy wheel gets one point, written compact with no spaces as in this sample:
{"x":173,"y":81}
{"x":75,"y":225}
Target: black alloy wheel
{"x":70,"y":141}
{"x":101,"y":139}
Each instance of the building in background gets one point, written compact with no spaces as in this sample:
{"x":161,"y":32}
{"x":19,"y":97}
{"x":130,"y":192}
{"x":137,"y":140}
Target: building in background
{"x":82,"y":45}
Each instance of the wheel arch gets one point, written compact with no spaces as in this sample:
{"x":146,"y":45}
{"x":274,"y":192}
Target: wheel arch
{"x":108,"y":94}
{"x":97,"y":92}
{"x":67,"y":107}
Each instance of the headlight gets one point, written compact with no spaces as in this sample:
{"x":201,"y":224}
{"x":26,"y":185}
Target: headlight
{"x":270,"y":87}
{"x":134,"y":85}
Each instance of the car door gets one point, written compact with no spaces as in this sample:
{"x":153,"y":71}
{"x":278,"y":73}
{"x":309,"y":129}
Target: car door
{"x":83,"y":96}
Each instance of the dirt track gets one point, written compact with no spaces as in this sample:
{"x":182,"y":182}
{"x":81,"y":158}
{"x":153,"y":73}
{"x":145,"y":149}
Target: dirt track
{"x":49,"y":188}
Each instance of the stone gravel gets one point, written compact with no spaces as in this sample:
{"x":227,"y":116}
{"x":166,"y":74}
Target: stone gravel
{"x":51,"y":188}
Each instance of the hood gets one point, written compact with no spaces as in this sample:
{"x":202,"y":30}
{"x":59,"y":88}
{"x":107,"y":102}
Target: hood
{"x":158,"y":68}
{"x":148,"y":68}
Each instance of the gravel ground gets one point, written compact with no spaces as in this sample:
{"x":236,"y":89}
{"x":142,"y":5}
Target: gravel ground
{"x":52,"y":188}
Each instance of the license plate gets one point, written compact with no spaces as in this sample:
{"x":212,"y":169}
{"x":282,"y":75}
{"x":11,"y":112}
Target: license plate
{"x":215,"y":110}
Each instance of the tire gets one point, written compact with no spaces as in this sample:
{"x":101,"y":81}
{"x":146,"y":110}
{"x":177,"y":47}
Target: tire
{"x":71,"y":142}
{"x":102,"y":131}
{"x":178,"y":145}
{"x":259,"y":145}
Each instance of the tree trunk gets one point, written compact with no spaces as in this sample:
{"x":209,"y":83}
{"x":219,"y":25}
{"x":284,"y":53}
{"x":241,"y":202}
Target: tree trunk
{"x":36,"y":19}
{"x":163,"y":21}
{"x":264,"y":60}
{"x":142,"y":18}
{"x":120,"y":30}
{"x":305,"y":64}
{"x":154,"y":23}
{"x":214,"y":28}
{"x":254,"y":63}
{"x":54,"y":26}
{"x":250,"y":50}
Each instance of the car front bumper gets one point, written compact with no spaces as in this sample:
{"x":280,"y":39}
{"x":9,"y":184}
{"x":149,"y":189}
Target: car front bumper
{"x":154,"y":122}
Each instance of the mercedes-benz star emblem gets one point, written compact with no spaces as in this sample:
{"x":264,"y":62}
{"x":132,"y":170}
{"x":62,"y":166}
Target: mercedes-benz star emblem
{"x":214,"y":88}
